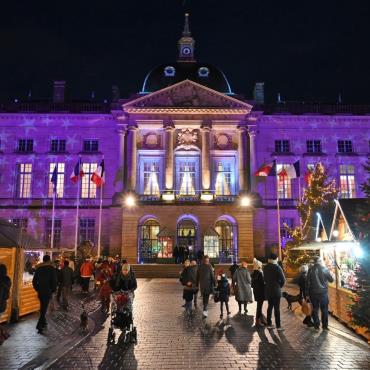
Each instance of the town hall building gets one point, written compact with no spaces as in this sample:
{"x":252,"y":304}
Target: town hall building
{"x":180,"y":159}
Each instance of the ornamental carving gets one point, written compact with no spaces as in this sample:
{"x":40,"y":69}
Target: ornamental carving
{"x":187,"y":137}
{"x":223,"y":141}
{"x":151,"y":140}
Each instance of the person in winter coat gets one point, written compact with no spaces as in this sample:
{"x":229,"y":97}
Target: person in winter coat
{"x":5,"y":285}
{"x":274,"y":281}
{"x":188,"y":280}
{"x":318,"y":277}
{"x":233,"y":268}
{"x":125,"y":280}
{"x":302,"y":280}
{"x":206,"y":282}
{"x":194,"y":273}
{"x":242,"y":286}
{"x":66,"y":282}
{"x":223,"y":288}
{"x":58,"y":269}
{"x":45,"y":283}
{"x":258,"y":285}
{"x":86,"y":271}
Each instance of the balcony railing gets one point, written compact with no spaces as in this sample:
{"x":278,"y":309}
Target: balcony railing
{"x":174,"y":197}
{"x":283,"y":203}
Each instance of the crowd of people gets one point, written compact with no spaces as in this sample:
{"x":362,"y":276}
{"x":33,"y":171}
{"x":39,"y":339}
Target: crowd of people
{"x":263,"y":284}
{"x":56,"y":279}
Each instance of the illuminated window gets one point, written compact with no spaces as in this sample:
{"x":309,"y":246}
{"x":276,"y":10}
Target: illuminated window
{"x":345,"y":146}
{"x":347,"y":181}
{"x":88,"y":188}
{"x":282,"y":146}
{"x":60,"y":180}
{"x":24,"y":180}
{"x":151,"y":175}
{"x":187,"y":178}
{"x":225,"y":232}
{"x":223,"y":179}
{"x":57,"y":232}
{"x":284,"y":182}
{"x":86,"y":230}
{"x":187,"y":235}
{"x":25,"y":145}
{"x":149,"y":245}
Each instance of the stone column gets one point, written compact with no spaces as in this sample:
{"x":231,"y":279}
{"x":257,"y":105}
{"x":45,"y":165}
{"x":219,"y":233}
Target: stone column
{"x":206,"y":173}
{"x":120,"y":185}
{"x":252,"y":131}
{"x":131,"y":155}
{"x":242,"y":151}
{"x":169,"y":129}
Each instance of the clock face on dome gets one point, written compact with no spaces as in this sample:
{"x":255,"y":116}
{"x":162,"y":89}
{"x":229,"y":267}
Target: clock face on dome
{"x":186,"y":50}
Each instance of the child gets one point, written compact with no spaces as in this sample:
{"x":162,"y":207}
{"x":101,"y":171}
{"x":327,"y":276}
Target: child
{"x":223,"y":288}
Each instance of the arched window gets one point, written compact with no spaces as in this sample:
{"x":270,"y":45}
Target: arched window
{"x":226,"y":239}
{"x":149,"y":246}
{"x":187,"y":235}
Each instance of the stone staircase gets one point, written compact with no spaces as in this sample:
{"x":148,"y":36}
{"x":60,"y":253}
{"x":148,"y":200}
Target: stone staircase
{"x":151,"y":271}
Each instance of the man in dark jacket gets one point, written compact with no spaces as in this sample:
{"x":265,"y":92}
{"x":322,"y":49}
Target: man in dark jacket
{"x":66,"y":282}
{"x":274,"y":279}
{"x":317,"y":287}
{"x":206,"y":282}
{"x":45,"y":283}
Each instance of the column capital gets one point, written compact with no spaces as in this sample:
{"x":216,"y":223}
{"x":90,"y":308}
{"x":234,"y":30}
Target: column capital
{"x":121,"y":129}
{"x":252,"y":131}
{"x":205,"y":128}
{"x":132,"y":127}
{"x":168,"y":124}
{"x":242,"y":128}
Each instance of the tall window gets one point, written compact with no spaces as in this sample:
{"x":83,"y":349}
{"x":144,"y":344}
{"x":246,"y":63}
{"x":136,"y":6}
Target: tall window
{"x":57,"y":232}
{"x":225,"y":232}
{"x":151,"y":178}
{"x":284,"y":235}
{"x":347,"y":181}
{"x":313,"y":146}
{"x":345,"y":146}
{"x":88,"y":188}
{"x":22,"y":223}
{"x":91,"y":145}
{"x":24,"y":180}
{"x":25,"y":145}
{"x":149,"y":245}
{"x":60,"y":180}
{"x":187,"y":178}
{"x":58,"y":146}
{"x":284,"y":182}
{"x":87,"y":230}
{"x":282,"y":146}
{"x":223,"y":179}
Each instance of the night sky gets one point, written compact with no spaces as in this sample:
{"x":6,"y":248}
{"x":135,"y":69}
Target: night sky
{"x":306,"y":50}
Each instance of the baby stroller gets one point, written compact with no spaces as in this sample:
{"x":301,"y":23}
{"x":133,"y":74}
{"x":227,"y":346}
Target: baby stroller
{"x":122,"y":318}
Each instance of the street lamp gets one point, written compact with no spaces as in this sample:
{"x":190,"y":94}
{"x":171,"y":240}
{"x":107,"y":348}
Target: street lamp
{"x":245,"y":201}
{"x":335,"y":233}
{"x":130,"y":201}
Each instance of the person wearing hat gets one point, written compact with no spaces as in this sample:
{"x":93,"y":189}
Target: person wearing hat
{"x":318,"y":278}
{"x":125,"y":280}
{"x":274,"y":278}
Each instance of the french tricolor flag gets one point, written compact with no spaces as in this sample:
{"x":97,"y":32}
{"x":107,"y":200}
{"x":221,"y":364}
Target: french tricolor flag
{"x":77,"y":172}
{"x":268,"y":169}
{"x":98,"y":177}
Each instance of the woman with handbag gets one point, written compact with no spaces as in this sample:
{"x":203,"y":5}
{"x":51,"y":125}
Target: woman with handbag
{"x":306,"y":305}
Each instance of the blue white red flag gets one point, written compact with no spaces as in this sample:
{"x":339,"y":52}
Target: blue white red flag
{"x":77,"y":172}
{"x":268,"y":169}
{"x":98,"y":177}
{"x":54,"y":179}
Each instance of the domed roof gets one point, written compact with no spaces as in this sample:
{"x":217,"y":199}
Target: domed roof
{"x":170,"y":73}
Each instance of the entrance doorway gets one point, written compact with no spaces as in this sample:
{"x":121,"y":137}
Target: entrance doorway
{"x":187,"y":237}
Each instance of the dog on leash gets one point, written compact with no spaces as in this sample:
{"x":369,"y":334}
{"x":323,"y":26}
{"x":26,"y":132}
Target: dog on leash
{"x":84,"y":320}
{"x":291,"y":299}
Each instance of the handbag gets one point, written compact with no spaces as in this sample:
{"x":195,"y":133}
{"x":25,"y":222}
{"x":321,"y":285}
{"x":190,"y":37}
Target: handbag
{"x":307,"y":308}
{"x":216,"y":296}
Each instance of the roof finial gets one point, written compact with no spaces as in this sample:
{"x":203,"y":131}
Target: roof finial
{"x":186,"y":31}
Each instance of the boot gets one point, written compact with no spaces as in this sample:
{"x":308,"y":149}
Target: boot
{"x":258,"y":323}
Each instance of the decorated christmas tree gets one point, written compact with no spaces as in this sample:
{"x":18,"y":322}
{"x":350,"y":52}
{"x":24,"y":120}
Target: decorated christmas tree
{"x":319,"y":192}
{"x":360,"y":309}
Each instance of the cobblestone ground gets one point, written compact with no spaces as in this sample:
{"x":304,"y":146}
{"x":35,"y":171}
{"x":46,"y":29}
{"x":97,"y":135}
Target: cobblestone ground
{"x":167,"y":339}
{"x":25,"y":348}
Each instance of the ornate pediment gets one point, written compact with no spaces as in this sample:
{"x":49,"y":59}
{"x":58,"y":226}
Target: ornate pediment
{"x":186,"y":95}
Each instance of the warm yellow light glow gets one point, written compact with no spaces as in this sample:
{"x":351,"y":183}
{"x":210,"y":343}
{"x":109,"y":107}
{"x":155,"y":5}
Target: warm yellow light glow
{"x":335,"y":233}
{"x":130,"y":201}
{"x":168,"y":197}
{"x":245,"y":201}
{"x":206,"y":197}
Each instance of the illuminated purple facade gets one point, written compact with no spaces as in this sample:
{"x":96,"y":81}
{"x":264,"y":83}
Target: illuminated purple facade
{"x":186,"y":148}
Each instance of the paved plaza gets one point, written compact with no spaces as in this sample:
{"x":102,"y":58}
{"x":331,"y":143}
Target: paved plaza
{"x":167,"y":339}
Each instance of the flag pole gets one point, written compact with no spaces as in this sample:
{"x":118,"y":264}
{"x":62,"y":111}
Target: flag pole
{"x":53,"y":221}
{"x":100,"y":217}
{"x":77,"y":208}
{"x":278,"y":214}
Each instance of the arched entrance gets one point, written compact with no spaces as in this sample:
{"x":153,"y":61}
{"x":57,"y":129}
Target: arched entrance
{"x":148,"y":241}
{"x":187,"y":236}
{"x":226,"y":229}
